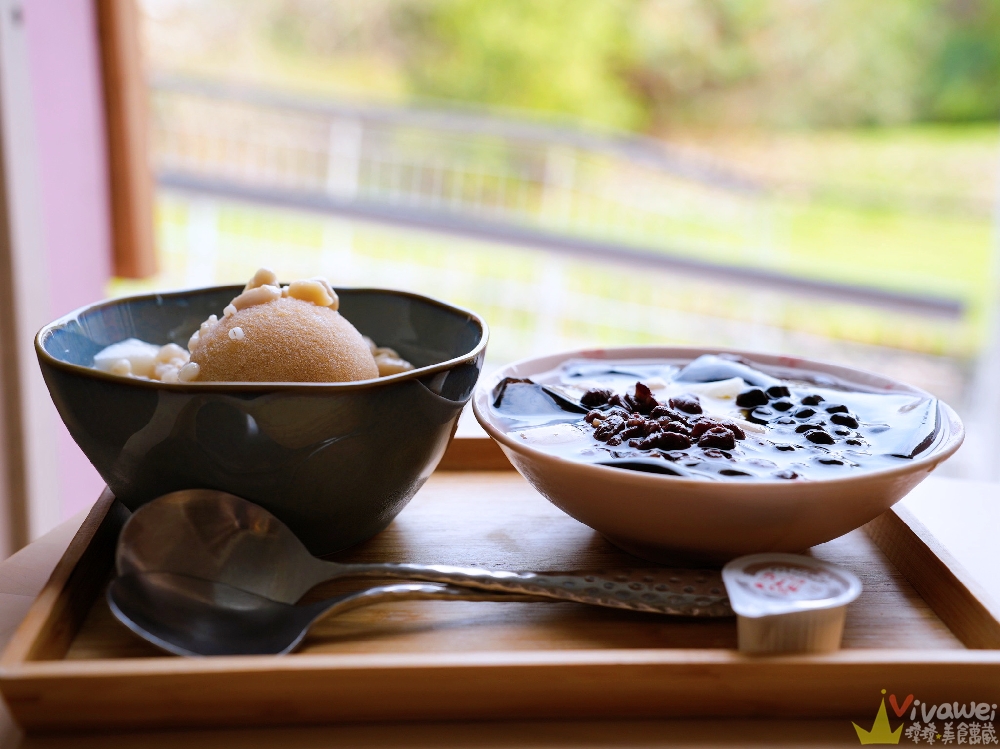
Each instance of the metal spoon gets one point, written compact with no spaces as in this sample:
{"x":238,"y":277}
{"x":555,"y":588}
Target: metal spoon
{"x":189,"y":616}
{"x":219,"y":537}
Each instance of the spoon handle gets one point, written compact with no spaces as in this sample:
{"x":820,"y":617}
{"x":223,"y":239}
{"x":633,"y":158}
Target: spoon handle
{"x":406,"y":592}
{"x":313,"y":612}
{"x":661,"y":591}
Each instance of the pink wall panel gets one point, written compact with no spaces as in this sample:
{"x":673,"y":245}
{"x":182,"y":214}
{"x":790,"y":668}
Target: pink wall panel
{"x":66,"y":88}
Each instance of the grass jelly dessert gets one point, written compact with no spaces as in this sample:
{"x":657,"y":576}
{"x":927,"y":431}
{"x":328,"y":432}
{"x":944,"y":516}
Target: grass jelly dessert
{"x":719,"y":417}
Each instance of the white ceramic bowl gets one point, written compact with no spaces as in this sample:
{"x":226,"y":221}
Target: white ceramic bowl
{"x":672,"y":519}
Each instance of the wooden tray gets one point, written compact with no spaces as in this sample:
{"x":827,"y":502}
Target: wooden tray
{"x":70,"y":665}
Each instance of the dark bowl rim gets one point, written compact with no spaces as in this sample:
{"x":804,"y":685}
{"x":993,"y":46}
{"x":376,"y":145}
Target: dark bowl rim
{"x":206,"y":387}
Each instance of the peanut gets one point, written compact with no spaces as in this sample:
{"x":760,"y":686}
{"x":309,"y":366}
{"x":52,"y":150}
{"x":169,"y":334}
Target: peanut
{"x":255,"y":296}
{"x":189,"y":372}
{"x":263,"y":277}
{"x":391,"y":364}
{"x":314,"y":290}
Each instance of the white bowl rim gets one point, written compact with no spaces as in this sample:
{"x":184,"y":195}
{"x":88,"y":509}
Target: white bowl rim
{"x":953,"y":432}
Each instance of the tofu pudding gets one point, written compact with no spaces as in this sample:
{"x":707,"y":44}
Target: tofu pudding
{"x":718,"y":417}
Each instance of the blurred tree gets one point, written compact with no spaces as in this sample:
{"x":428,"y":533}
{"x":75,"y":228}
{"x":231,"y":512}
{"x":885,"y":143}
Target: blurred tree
{"x":633,"y":64}
{"x":555,"y":56}
{"x":964,"y":76}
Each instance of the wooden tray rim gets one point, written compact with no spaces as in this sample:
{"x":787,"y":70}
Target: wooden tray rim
{"x":17,"y":660}
{"x":21,"y":667}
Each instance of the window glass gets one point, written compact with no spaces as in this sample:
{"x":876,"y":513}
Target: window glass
{"x":770,"y":175}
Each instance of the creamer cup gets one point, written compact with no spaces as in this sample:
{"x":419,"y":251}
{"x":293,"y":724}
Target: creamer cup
{"x":788,"y":602}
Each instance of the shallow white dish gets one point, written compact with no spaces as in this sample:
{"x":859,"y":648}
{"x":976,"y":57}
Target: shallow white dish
{"x":673,"y":519}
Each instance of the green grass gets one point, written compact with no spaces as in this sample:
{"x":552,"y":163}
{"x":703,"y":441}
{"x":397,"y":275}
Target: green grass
{"x":939,"y":255}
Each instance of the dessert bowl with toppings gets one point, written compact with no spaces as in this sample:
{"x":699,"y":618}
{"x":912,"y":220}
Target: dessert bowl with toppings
{"x":680,"y":454}
{"x":335,"y":448}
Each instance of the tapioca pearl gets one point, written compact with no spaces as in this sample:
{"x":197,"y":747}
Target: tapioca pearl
{"x":819,"y":437}
{"x":237,"y":334}
{"x":751,"y":398}
{"x":804,"y":413}
{"x":166,"y":372}
{"x":210,"y":323}
{"x":844,"y":420}
{"x":781,"y":405}
{"x":812,"y":400}
{"x":837,"y":409}
{"x":170,"y":352}
{"x":760,"y":415}
{"x":778,"y":391}
{"x":229,"y":311}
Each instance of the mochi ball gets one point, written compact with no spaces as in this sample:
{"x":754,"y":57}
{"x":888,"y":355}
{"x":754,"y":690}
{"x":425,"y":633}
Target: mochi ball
{"x":283,"y":340}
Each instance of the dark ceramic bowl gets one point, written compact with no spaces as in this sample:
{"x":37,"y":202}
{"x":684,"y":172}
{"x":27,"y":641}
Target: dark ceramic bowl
{"x":336,"y":462}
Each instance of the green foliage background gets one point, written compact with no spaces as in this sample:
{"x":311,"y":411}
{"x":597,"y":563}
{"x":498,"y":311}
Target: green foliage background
{"x":652,"y":64}
{"x":872,"y":123}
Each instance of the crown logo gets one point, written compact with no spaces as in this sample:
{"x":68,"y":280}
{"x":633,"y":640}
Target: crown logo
{"x":881,"y":732}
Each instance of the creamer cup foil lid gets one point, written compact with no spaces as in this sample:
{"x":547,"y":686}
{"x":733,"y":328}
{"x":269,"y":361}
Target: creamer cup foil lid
{"x":769,"y":584}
